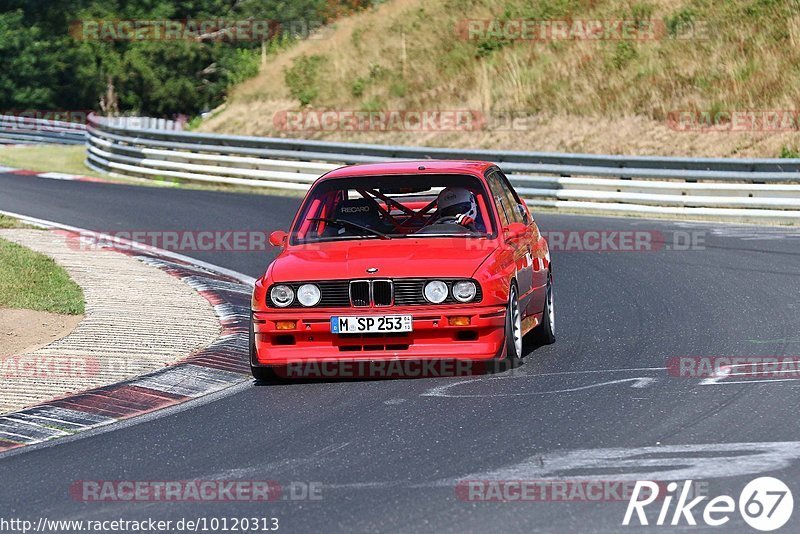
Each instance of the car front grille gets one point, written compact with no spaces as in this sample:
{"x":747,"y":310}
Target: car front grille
{"x":377,"y":293}
{"x":360,"y":293}
{"x":335,"y":294}
{"x":382,"y":293}
{"x":409,"y":292}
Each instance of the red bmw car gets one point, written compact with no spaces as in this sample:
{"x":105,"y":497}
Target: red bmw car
{"x":404,"y":261}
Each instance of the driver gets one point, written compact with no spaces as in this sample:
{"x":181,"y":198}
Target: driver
{"x":456,"y":205}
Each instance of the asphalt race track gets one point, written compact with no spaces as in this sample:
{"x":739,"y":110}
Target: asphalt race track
{"x":390,"y":453}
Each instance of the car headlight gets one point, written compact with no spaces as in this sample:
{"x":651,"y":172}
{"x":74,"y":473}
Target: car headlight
{"x":435,"y":291}
{"x":281,"y":296}
{"x":464,"y":291}
{"x":308,"y":295}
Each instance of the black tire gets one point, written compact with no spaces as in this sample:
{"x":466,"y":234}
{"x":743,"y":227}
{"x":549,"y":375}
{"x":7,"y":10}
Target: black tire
{"x":513,"y":330}
{"x":545,"y":334}
{"x":263,"y":374}
{"x":259,"y":373}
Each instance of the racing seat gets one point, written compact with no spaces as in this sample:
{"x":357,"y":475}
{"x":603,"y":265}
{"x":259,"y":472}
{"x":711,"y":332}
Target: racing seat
{"x":363,"y":211}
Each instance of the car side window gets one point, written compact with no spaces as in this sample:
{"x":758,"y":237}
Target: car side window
{"x":500,"y":199}
{"x":517,"y":212}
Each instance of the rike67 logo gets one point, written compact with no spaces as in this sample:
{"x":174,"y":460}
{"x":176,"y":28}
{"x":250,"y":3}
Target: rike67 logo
{"x":765,"y":504}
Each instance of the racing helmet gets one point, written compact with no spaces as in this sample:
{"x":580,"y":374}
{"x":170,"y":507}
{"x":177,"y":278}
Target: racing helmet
{"x":457,"y":202}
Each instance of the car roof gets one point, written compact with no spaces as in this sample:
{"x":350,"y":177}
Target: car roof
{"x":475,"y":168}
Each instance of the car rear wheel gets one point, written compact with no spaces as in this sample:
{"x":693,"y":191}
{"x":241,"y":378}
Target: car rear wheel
{"x":513,"y":330}
{"x":545,"y":333}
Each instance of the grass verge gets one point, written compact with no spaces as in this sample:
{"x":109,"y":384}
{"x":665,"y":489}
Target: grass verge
{"x":29,"y":280}
{"x":10,"y":222}
{"x":48,"y":158}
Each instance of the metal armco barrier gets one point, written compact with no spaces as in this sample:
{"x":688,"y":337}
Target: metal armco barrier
{"x":739,"y":189}
{"x":19,"y":129}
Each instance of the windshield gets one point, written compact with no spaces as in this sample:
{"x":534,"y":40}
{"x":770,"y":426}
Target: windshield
{"x":392,"y":207}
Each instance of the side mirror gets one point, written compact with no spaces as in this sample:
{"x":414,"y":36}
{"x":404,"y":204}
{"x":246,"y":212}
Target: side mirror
{"x":524,"y":213}
{"x":515,"y":230}
{"x":278,"y":238}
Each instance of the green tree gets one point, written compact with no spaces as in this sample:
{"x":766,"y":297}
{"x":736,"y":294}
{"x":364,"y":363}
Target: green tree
{"x":44,"y":67}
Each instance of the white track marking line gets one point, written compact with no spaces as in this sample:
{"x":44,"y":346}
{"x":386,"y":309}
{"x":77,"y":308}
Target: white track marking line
{"x":556,"y":373}
{"x":441,"y":391}
{"x":59,"y":176}
{"x":787,"y":371}
{"x":728,"y":371}
{"x":436,"y":391}
{"x":662,"y":462}
{"x":720,"y":374}
{"x":765,"y":381}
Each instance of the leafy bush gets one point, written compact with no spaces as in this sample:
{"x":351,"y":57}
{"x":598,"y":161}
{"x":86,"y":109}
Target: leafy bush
{"x":679,"y":23}
{"x":302,"y":78}
{"x":789,"y":152}
{"x":488,"y":45}
{"x":45,"y":67}
{"x":357,"y":89}
{"x":624,"y":53}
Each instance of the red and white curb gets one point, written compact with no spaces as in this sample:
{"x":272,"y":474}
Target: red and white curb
{"x":221,"y":365}
{"x":51,"y":175}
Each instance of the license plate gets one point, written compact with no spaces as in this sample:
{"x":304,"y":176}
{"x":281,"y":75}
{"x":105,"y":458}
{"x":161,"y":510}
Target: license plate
{"x":371,"y":324}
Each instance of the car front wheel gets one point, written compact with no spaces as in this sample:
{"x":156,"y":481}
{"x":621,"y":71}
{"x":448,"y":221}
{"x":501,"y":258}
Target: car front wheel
{"x":545,"y":333}
{"x":513,"y":330}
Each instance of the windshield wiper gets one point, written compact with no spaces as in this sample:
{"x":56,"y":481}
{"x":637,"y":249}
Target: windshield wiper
{"x":344,"y":222}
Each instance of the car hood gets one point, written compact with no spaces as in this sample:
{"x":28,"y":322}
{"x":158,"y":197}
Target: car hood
{"x":398,"y":258}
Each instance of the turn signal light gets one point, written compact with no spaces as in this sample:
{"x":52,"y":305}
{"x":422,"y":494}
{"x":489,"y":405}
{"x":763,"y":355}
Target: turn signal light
{"x":458,"y":321}
{"x":285,"y":325}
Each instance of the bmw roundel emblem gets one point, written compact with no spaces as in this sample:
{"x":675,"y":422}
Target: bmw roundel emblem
{"x":372,"y":270}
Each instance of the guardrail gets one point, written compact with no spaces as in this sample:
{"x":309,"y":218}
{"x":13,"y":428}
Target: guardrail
{"x":764,"y":189}
{"x":19,"y":129}
{"x":24,"y":129}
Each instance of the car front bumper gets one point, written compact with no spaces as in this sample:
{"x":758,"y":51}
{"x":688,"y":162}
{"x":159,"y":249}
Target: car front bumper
{"x":432,"y":338}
